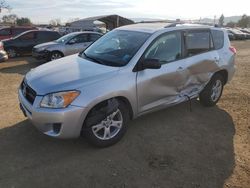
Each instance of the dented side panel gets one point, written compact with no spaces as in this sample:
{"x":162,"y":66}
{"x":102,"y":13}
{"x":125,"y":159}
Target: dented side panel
{"x":175,"y":82}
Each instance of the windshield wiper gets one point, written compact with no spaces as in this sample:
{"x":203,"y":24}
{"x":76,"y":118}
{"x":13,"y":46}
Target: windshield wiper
{"x":93,"y":59}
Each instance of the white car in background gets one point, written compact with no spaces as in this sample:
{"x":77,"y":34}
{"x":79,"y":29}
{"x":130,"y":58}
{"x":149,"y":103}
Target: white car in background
{"x":67,"y":45}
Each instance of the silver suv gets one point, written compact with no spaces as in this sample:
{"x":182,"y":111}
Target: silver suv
{"x":67,"y":45}
{"x":129,"y":72}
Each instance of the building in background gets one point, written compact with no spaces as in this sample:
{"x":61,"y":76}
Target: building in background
{"x":109,"y":22}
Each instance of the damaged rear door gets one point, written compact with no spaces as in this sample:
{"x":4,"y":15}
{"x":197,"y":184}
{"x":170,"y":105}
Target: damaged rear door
{"x":201,"y":61}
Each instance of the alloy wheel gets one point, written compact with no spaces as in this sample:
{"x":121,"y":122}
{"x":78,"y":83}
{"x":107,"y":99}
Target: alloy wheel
{"x":55,"y":56}
{"x":109,"y":127}
{"x":11,"y":53}
{"x":216,"y":90}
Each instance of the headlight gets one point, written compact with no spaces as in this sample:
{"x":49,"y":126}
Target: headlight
{"x":59,"y":100}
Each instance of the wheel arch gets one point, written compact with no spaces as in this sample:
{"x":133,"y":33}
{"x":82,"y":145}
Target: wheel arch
{"x":14,"y":48}
{"x":224,"y":74}
{"x":58,"y":51}
{"x":119,"y":98}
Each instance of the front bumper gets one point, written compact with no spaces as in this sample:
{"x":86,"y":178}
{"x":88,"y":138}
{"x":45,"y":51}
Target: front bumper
{"x":59,"y":123}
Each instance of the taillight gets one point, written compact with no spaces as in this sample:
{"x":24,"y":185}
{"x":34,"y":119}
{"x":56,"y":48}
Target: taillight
{"x":233,"y":49}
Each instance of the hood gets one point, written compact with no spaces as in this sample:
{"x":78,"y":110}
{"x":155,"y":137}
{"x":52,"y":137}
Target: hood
{"x":47,"y":44}
{"x":69,"y":73}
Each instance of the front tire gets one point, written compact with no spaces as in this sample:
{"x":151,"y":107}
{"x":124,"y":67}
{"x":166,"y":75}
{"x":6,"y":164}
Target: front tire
{"x":108,"y":131}
{"x":55,"y":55}
{"x":212,"y":92}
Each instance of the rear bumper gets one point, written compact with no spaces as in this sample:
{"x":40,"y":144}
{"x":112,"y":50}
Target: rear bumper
{"x":3,"y":55}
{"x":59,"y":123}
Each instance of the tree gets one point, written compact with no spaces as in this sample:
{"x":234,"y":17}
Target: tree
{"x":221,"y":20}
{"x":231,"y":24}
{"x":55,"y":22}
{"x":10,"y":18}
{"x":23,"y":22}
{"x":244,"y":21}
{"x":4,"y":5}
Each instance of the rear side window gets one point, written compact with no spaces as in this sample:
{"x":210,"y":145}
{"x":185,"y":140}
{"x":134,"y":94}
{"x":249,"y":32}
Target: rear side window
{"x":218,"y":38}
{"x":79,"y":39}
{"x":197,"y":42}
{"x":54,"y":36}
{"x":47,"y":36}
{"x":42,"y":35}
{"x":93,"y":37}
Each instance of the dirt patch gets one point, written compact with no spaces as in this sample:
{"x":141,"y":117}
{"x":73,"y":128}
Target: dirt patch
{"x":208,"y":147}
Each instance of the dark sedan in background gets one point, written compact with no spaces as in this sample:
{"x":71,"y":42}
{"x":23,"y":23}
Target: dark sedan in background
{"x":238,"y":35}
{"x":23,"y":43}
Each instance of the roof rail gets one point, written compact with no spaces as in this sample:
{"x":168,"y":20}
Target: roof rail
{"x":174,"y":24}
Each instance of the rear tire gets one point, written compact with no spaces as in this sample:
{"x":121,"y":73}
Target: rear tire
{"x":211,"y":94}
{"x":11,"y":53}
{"x":108,"y":131}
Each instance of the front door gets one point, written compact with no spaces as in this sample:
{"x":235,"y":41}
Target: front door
{"x":162,"y":86}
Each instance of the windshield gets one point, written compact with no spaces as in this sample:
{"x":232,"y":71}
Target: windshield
{"x":116,"y":48}
{"x":66,"y":38}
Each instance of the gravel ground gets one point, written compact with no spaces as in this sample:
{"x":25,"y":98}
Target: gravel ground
{"x":207,"y":147}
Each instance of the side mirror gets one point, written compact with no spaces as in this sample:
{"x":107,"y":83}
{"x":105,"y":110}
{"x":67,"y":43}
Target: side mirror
{"x":149,"y":64}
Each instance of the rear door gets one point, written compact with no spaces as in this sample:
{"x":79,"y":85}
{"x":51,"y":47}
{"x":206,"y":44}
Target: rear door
{"x":201,"y":61}
{"x":77,"y":44}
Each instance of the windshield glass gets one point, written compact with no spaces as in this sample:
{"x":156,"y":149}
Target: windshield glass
{"x":66,"y":38}
{"x":116,"y":48}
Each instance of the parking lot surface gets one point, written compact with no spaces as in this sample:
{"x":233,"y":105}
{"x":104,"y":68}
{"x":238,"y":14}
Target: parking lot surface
{"x":176,"y":147}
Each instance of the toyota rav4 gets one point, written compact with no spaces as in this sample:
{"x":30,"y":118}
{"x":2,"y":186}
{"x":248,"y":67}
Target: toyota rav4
{"x":129,"y":72}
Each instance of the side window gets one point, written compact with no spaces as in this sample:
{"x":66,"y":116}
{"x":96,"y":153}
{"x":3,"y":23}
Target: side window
{"x":47,"y":36}
{"x":54,"y":36}
{"x":42,"y":36}
{"x":197,"y":42}
{"x":93,"y":37}
{"x":79,"y":39}
{"x":218,"y":38}
{"x":5,"y":32}
{"x":28,"y":36}
{"x":166,"y":48}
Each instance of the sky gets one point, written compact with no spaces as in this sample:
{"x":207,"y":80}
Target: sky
{"x":42,"y":11}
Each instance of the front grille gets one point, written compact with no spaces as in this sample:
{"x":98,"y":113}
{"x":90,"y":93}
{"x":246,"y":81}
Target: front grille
{"x":28,"y":92}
